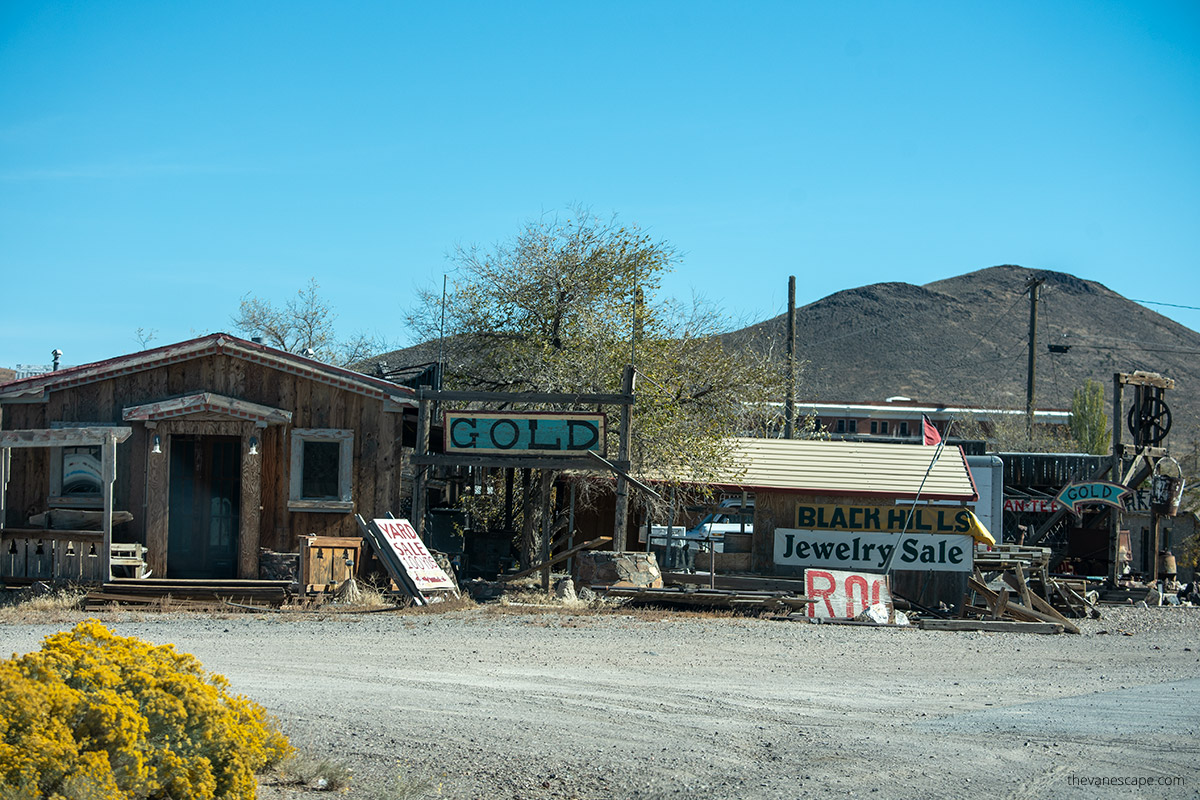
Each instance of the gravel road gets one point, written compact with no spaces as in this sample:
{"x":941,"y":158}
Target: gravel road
{"x":550,"y":704}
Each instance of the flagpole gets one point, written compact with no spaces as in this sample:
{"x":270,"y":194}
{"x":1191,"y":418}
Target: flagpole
{"x":887,"y":565}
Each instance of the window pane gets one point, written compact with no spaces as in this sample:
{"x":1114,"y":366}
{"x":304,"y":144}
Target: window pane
{"x":320,"y":479}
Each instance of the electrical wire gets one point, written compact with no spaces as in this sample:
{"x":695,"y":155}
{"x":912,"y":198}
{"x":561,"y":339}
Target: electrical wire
{"x":1172,"y":305}
{"x":990,"y":330}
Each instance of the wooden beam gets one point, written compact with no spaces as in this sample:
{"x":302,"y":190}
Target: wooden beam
{"x":529,"y":397}
{"x":590,"y":545}
{"x":1052,"y":614}
{"x":64,"y":437}
{"x":515,"y":462}
{"x":5,"y":466}
{"x":108,"y":476}
{"x":989,"y":625}
{"x":623,"y":472}
{"x":1141,"y":378}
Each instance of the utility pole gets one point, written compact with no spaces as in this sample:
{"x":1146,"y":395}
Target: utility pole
{"x":1033,"y":285}
{"x":789,"y":405}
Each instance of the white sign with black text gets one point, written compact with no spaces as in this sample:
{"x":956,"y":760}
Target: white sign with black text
{"x":868,"y":552}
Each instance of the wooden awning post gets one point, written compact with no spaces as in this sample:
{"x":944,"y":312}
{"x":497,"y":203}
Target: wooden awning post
{"x":108,"y":471}
{"x":544,"y":554}
{"x":5,"y":466}
{"x":422,"y":448}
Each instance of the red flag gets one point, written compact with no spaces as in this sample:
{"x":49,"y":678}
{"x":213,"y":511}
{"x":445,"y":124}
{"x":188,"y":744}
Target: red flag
{"x":929,"y":431}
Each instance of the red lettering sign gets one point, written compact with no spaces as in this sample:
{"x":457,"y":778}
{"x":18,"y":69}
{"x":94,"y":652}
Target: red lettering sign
{"x":417,"y":562}
{"x":844,"y":595}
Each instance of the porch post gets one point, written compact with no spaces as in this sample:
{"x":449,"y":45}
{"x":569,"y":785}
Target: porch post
{"x":108,"y":469}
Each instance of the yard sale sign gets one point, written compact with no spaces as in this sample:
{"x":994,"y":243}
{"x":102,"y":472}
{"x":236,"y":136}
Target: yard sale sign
{"x":408,"y":547}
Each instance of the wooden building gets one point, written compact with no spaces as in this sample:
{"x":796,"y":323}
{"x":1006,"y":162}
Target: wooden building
{"x":821,"y":504}
{"x":232,"y":446}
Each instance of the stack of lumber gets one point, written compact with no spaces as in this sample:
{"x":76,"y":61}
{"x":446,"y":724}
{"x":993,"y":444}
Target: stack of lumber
{"x":1007,"y":556}
{"x":708,"y":598}
{"x":1019,"y":606}
{"x":1023,"y":567}
{"x":183,"y":593}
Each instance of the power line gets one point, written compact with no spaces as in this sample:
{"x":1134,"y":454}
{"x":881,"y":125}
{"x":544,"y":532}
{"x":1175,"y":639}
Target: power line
{"x":1172,"y":305}
{"x":989,"y":331}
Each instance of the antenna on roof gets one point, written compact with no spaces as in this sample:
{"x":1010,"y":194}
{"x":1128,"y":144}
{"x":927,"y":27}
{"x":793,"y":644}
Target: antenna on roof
{"x":57,"y":354}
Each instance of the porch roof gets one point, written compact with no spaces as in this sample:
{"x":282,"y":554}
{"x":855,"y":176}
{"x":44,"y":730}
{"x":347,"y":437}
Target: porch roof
{"x":207,"y":402}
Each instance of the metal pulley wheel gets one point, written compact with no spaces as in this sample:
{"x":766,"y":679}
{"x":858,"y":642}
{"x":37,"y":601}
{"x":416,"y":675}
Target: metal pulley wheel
{"x":1150,"y":420}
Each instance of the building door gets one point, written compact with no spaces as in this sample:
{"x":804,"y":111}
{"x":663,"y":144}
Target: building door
{"x":205,"y":500}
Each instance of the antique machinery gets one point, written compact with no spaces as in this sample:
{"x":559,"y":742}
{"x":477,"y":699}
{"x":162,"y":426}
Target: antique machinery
{"x":1149,"y":422}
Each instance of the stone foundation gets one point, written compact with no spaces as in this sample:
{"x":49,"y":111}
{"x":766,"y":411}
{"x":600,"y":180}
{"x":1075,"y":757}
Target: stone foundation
{"x":633,"y":569}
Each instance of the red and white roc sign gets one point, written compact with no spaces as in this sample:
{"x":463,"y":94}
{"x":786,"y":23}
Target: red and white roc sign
{"x":840,"y":595}
{"x":411,"y":551}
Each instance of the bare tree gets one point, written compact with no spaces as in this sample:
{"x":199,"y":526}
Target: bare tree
{"x":304,"y":324}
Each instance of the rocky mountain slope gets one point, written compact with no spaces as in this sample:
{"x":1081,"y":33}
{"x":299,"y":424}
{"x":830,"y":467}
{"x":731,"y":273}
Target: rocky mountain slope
{"x":964,"y":340}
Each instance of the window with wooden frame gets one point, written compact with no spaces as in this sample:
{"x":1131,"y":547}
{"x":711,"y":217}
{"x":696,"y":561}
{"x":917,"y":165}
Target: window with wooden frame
{"x":75,"y":477}
{"x":321,"y":468}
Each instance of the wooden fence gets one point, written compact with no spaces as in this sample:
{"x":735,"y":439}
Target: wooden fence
{"x":28,"y":555}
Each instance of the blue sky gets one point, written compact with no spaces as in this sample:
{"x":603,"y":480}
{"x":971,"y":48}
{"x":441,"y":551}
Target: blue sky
{"x":158,"y":161}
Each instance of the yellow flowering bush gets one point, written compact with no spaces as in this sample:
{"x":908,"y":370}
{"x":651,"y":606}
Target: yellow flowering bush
{"x":95,"y":715}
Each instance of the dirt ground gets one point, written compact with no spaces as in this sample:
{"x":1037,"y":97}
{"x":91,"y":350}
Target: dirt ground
{"x":557,"y":704}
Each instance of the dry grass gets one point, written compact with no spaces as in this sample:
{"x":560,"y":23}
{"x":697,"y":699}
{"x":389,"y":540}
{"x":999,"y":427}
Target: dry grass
{"x":321,"y":773}
{"x":58,"y":605}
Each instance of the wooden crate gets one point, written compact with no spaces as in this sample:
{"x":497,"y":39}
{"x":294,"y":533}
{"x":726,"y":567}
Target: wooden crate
{"x":328,"y":561}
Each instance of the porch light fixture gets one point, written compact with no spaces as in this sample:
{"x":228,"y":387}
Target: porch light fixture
{"x":92,"y":551}
{"x":12,"y":547}
{"x":253,"y":445}
{"x":157,"y":447}
{"x":320,"y":554}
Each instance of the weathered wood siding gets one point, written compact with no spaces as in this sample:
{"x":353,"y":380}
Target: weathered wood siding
{"x":378,"y":458}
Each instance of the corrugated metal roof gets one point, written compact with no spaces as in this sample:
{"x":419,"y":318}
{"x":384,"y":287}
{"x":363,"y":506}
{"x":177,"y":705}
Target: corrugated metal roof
{"x":849,"y":468}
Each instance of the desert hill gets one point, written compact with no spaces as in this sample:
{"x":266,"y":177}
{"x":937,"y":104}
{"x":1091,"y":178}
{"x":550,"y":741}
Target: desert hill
{"x":964,"y":340}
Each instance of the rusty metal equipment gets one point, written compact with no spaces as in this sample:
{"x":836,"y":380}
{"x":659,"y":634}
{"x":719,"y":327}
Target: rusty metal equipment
{"x":1149,"y":417}
{"x":1166,"y":491}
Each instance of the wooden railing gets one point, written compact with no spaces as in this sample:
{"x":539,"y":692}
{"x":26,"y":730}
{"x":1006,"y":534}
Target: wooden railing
{"x":31,"y":554}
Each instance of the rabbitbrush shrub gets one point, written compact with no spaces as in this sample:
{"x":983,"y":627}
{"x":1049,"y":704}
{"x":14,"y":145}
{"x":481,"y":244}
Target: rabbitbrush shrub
{"x":94,"y":715}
